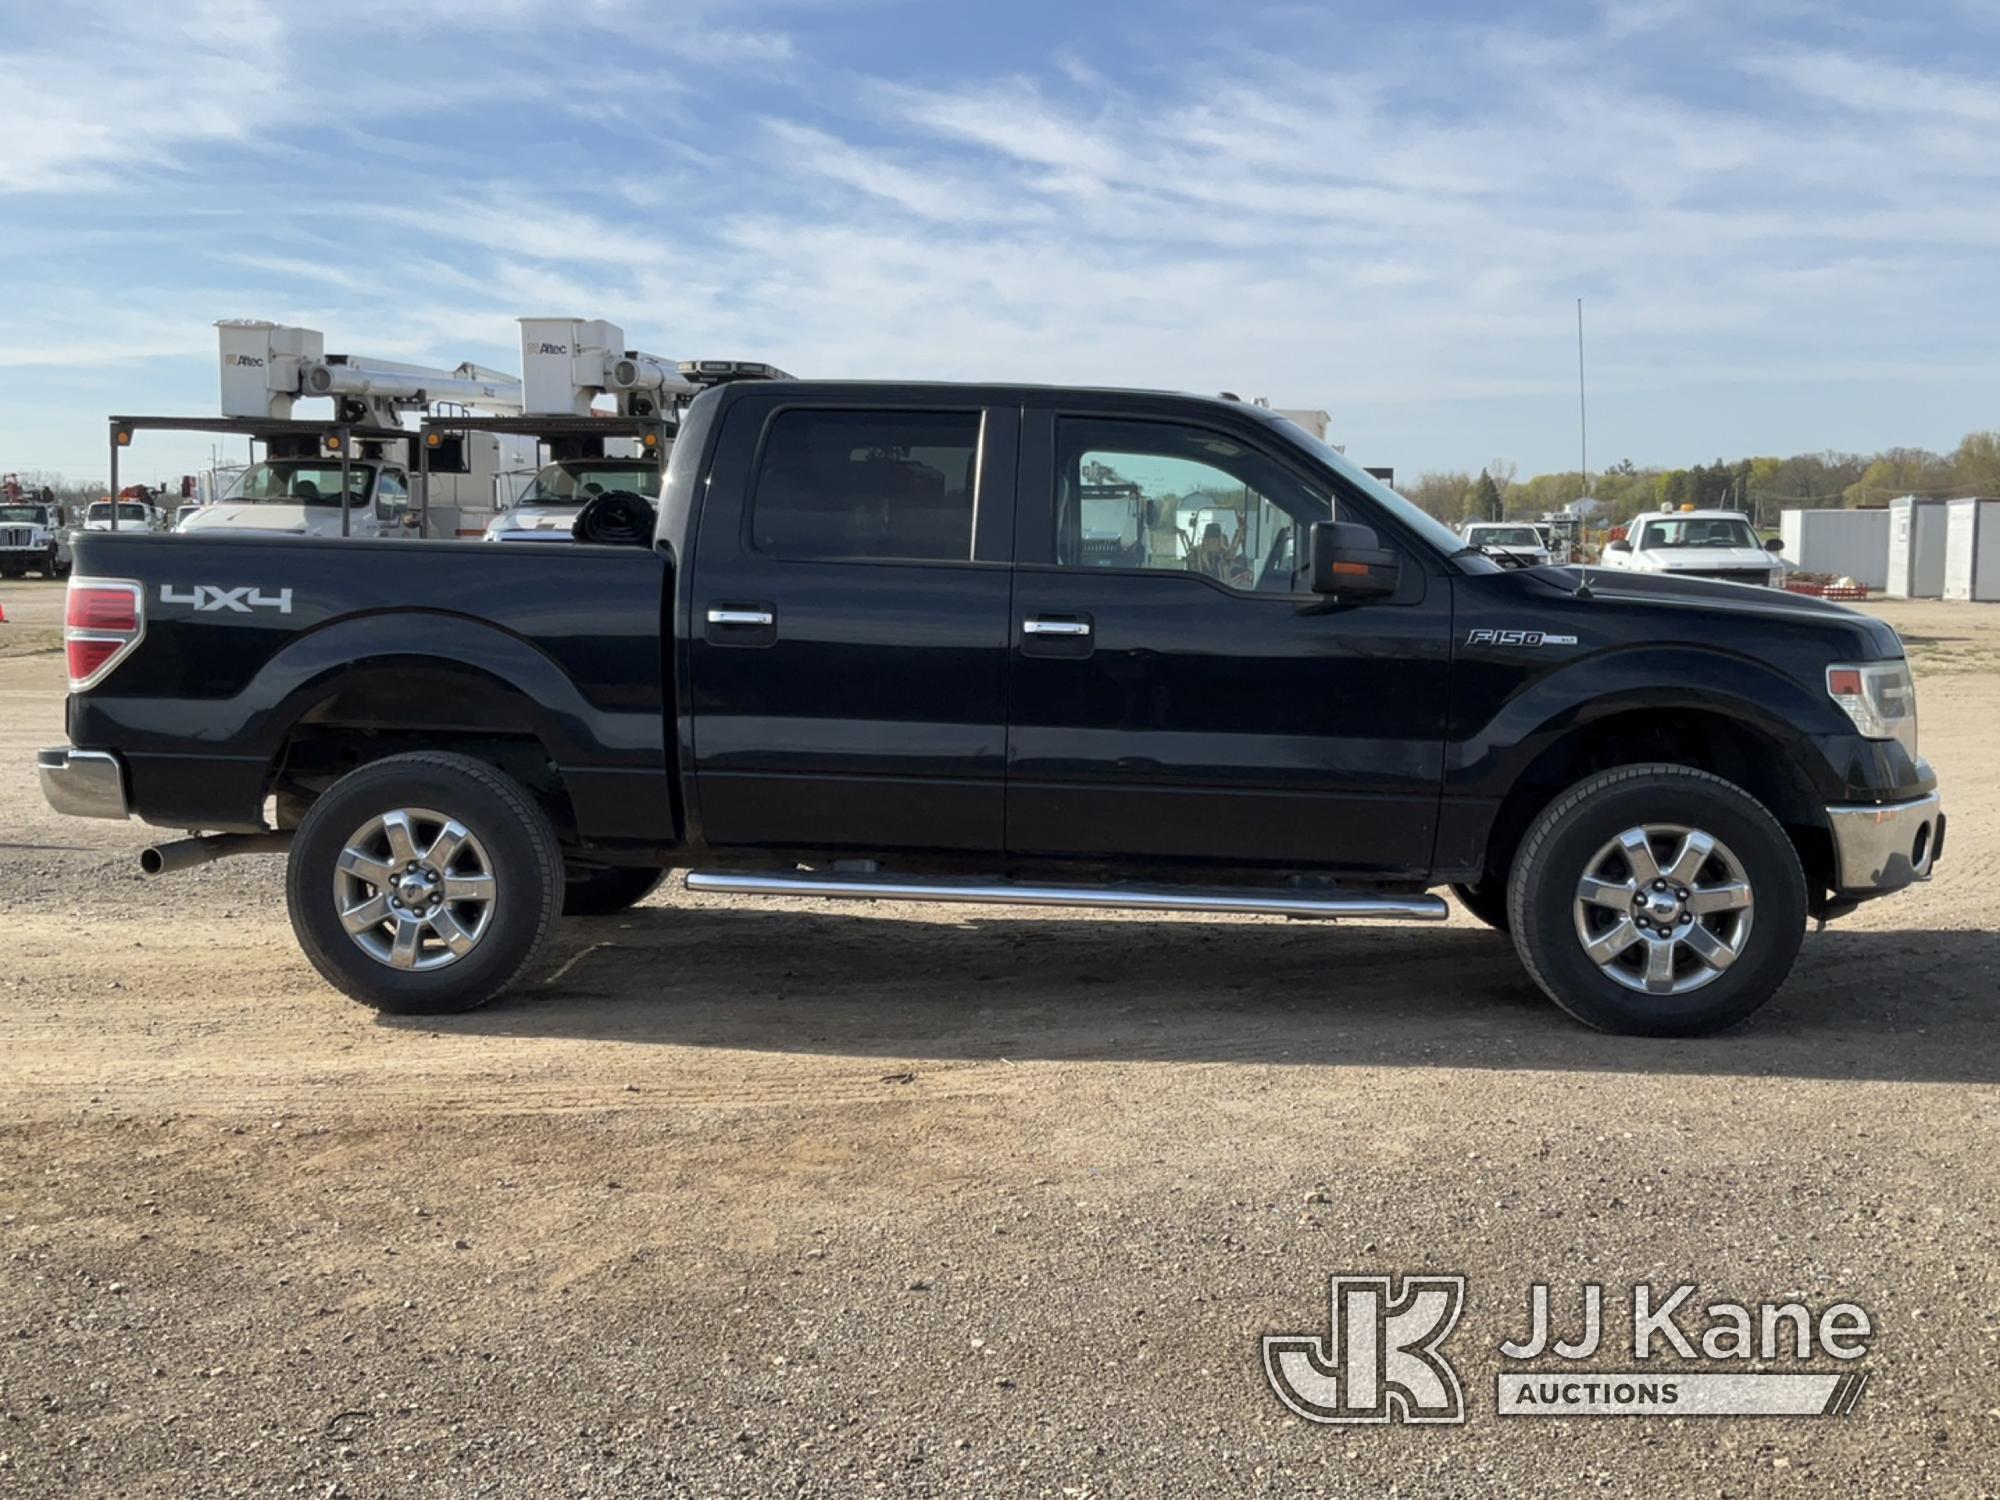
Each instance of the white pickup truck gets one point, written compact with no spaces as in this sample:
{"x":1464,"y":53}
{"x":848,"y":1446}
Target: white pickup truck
{"x":32,"y":536}
{"x":1717,"y":544}
{"x":1518,"y":542}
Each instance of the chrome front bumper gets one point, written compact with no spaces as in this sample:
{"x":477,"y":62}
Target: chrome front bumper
{"x":83,"y":783}
{"x":1886,"y":847}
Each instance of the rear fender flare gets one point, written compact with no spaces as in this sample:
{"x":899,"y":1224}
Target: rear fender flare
{"x":531,"y":692}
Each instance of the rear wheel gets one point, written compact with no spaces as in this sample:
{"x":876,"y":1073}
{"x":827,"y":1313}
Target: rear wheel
{"x":605,"y":893}
{"x":1657,"y":901}
{"x":423,"y":883}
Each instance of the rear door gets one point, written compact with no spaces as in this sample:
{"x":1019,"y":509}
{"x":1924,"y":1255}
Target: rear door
{"x":1177,"y":693}
{"x":848,"y":646}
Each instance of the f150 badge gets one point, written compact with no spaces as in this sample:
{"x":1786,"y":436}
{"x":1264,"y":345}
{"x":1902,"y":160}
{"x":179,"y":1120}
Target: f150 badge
{"x":207,"y":598}
{"x":1517,"y":638}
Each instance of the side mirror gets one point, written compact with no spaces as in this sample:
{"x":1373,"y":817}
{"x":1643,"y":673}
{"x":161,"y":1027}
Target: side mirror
{"x":1348,"y":561}
{"x":1775,"y":544}
{"x":1621,"y":545}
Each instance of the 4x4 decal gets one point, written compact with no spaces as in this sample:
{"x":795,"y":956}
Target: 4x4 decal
{"x":210,"y":597}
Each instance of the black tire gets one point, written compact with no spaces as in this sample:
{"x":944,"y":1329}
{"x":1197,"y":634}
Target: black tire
{"x":605,"y":893}
{"x":1486,"y":901}
{"x":49,"y":564}
{"x":1542,"y":900}
{"x":513,"y":836}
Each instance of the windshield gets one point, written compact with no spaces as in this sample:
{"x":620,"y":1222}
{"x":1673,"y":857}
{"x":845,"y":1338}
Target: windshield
{"x":302,"y":482}
{"x":33,"y":514}
{"x":1416,"y":519}
{"x":128,"y":511}
{"x":574,"y":481}
{"x":1698,"y":531}
{"x":1504,"y":536}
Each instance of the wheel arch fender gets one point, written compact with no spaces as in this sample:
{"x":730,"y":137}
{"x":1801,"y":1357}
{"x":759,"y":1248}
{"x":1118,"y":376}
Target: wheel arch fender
{"x":380,"y":665}
{"x":1731,"y":715}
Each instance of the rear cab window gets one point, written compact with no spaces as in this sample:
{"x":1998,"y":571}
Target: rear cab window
{"x":867,"y":484}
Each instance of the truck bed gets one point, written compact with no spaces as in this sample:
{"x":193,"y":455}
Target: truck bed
{"x":272,"y":649}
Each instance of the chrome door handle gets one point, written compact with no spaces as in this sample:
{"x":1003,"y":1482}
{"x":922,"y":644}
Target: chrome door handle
{"x":741,"y":617}
{"x":1055,"y":627}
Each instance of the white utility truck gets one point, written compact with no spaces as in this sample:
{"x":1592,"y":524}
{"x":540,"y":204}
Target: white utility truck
{"x":606,"y":415}
{"x":267,"y":368}
{"x":33,"y":532}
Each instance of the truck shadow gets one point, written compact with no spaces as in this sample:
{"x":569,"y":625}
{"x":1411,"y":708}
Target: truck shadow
{"x":1914,"y":1006}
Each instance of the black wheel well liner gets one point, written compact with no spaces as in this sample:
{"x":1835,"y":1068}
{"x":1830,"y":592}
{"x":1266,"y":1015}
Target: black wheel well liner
{"x":1742,"y":754}
{"x":389,"y":708}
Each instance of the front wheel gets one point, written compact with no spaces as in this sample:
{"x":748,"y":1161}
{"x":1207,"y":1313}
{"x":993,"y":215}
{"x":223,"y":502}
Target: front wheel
{"x":1657,"y":900}
{"x":424,"y":883}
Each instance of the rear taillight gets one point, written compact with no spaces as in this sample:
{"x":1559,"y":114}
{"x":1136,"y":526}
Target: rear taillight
{"x":103,"y":620}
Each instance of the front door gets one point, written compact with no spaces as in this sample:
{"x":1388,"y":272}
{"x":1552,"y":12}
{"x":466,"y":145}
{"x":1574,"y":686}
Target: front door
{"x":848,"y":640}
{"x":1178,"y":694}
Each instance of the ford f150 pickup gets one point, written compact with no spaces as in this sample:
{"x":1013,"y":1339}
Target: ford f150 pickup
{"x":874,"y":651}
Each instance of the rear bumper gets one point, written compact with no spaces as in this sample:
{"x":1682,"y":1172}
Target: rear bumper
{"x":83,"y":783}
{"x":1884,"y":847}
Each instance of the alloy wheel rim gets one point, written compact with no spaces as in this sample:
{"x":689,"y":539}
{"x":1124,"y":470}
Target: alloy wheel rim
{"x":414,"y":889}
{"x":1664,"y":909}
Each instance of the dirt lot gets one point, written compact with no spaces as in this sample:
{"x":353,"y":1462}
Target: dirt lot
{"x":752,"y":1198}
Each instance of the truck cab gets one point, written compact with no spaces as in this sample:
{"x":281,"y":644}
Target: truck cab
{"x":133,"y":515}
{"x":33,"y":538}
{"x":1520,"y":543}
{"x":1714,"y":544}
{"x":301,"y":497}
{"x":556,"y":496}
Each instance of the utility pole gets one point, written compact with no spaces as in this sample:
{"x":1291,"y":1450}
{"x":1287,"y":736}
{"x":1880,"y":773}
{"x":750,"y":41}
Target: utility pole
{"x":1582,"y":420}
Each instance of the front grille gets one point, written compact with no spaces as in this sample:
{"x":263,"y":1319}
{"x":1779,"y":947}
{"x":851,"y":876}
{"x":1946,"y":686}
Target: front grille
{"x":15,"y":536}
{"x":1727,"y":575}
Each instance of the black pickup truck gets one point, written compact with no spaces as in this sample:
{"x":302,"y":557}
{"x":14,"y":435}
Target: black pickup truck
{"x":1053,"y":647}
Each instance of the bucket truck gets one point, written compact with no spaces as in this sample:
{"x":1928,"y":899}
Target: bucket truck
{"x":568,"y":367}
{"x":351,"y":476}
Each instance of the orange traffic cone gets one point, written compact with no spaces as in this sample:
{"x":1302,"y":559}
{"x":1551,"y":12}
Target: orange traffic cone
{"x":3,"y":614}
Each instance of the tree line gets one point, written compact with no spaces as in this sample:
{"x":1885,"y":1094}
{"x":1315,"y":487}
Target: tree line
{"x":1762,"y":487}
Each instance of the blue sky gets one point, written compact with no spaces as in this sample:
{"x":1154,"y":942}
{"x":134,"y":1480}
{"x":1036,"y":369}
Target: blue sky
{"x":1782,"y":215}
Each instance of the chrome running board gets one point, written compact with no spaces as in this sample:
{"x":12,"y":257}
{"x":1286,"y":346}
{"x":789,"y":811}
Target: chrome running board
{"x":1302,"y":902}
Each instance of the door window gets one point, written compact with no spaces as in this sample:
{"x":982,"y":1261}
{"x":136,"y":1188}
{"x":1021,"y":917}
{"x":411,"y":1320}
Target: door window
{"x":391,"y":496}
{"x":867,"y":484}
{"x":1163,"y":497}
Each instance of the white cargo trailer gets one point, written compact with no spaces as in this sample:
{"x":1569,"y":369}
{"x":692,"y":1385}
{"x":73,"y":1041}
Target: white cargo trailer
{"x":1972,"y":550}
{"x":1916,"y":547}
{"x":1844,"y":543}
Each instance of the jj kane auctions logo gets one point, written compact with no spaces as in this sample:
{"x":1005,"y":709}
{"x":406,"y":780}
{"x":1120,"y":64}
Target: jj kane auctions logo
{"x":1383,"y":1358}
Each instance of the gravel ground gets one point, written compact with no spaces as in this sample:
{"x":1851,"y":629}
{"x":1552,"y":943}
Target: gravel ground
{"x":748,"y":1198}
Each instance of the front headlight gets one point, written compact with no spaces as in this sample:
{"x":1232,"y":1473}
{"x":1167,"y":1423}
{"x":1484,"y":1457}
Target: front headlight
{"x":1777,"y":578}
{"x":1880,"y":697}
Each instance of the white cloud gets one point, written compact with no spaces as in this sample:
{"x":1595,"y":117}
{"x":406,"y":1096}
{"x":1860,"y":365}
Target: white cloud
{"x":1374,"y":222}
{"x":127,"y":91}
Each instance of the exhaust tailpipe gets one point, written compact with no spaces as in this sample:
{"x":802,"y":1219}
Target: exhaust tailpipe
{"x":185,"y":854}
